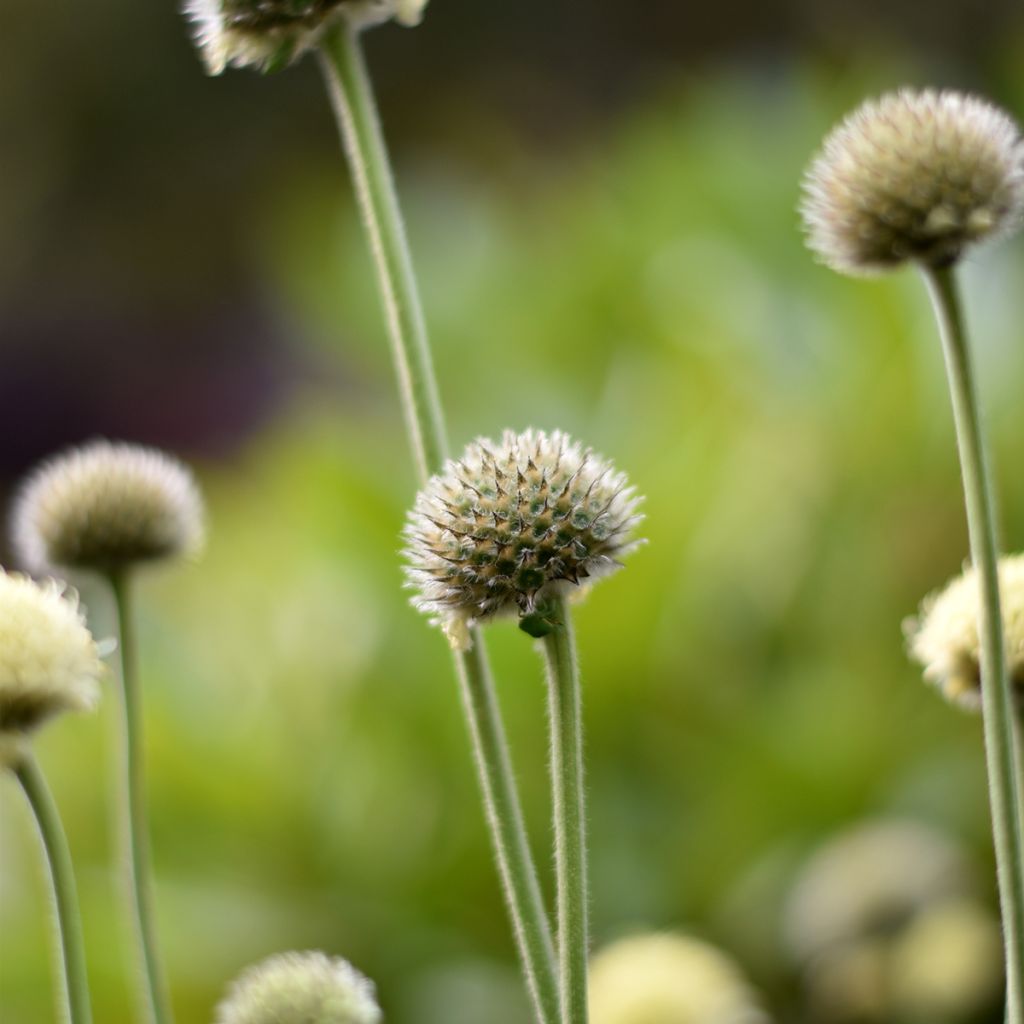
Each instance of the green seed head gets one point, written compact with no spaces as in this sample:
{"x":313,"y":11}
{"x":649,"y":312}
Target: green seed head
{"x":300,"y":988}
{"x":106,"y":507}
{"x":269,"y":34}
{"x":944,"y":636}
{"x":514,"y":522}
{"x":913,"y":176}
{"x":49,"y":662}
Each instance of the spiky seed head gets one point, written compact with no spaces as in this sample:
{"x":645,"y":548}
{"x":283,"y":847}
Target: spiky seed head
{"x":913,"y":176}
{"x":512,"y":523}
{"x":106,"y":507}
{"x":49,"y":662}
{"x":944,"y":636}
{"x":665,"y":978}
{"x":310,"y":988}
{"x":268,"y":34}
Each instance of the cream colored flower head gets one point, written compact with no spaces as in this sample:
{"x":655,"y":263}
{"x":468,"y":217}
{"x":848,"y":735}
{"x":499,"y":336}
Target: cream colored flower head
{"x":106,"y":507}
{"x":664,"y":978}
{"x":512,"y":523}
{"x":300,"y":988}
{"x":49,"y":662}
{"x":944,"y":636}
{"x":913,"y":176}
{"x":269,"y":34}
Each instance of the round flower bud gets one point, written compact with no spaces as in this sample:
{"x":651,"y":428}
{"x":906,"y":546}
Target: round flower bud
{"x":944,"y":636}
{"x":913,"y":176}
{"x":106,"y":507}
{"x":49,"y":662}
{"x":269,"y":34}
{"x":310,"y":988}
{"x":513,"y":523}
{"x":668,"y":979}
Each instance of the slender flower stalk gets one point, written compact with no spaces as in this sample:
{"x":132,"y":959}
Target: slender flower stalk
{"x":567,"y":787}
{"x":996,"y":693}
{"x":62,"y":879}
{"x":352,"y":98}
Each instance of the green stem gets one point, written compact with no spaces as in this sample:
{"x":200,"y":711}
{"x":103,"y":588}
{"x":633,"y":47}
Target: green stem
{"x":154,"y":998}
{"x":62,"y":878}
{"x":569,"y":813}
{"x":997,"y":707}
{"x":352,"y":99}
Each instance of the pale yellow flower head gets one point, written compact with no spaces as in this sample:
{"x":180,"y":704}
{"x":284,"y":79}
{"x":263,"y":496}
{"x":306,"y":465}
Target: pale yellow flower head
{"x":300,"y":988}
{"x":915,"y":176}
{"x":944,"y":636}
{"x":269,"y":34}
{"x":106,"y":507}
{"x":49,"y":662}
{"x":665,"y":978}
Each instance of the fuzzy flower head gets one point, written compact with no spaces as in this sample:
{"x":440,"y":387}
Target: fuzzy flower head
{"x":49,"y":662}
{"x":913,"y":176}
{"x":668,"y":979}
{"x":300,"y":988}
{"x":944,"y":637}
{"x":268,"y":34}
{"x":106,"y":507}
{"x":512,"y":523}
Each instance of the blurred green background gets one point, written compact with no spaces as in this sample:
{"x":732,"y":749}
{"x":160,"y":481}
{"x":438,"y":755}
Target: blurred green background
{"x":602,"y":205}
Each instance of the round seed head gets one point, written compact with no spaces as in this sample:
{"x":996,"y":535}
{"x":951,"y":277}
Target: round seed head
{"x":913,"y":176}
{"x":668,"y":979}
{"x":512,"y":523}
{"x":106,"y":507}
{"x":944,"y":636}
{"x":300,"y":988}
{"x":268,"y":34}
{"x":49,"y":662}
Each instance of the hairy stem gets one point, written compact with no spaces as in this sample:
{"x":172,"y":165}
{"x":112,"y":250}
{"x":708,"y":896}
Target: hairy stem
{"x":352,"y":99}
{"x":569,"y":813}
{"x":62,"y":879}
{"x":997,"y":707}
{"x":155,"y":1003}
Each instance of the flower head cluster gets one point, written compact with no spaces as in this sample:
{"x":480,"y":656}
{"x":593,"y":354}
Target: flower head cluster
{"x":513,"y":522}
{"x":668,"y":979}
{"x":269,"y":34}
{"x":944,"y":637}
{"x":913,"y":176}
{"x":106,"y":507}
{"x":49,"y":662}
{"x":310,"y":988}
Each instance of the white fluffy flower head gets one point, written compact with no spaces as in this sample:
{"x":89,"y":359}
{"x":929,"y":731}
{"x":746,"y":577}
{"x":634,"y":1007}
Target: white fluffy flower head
{"x":269,"y":34}
{"x":512,"y":523}
{"x":944,"y":637}
{"x":913,"y":176}
{"x":300,"y":988}
{"x":106,"y":507}
{"x":49,"y":662}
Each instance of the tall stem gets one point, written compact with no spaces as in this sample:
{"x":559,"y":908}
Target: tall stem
{"x":569,"y":813}
{"x":154,"y":998}
{"x":62,"y":879}
{"x":997,"y":707}
{"x":352,"y":99}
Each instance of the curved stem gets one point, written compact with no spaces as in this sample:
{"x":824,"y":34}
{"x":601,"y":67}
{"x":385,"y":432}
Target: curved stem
{"x":997,"y":707}
{"x":155,"y":1001}
{"x":352,"y":99}
{"x":62,"y":879}
{"x":569,"y":813}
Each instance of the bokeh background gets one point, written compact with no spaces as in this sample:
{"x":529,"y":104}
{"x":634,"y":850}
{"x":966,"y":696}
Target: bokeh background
{"x":601,"y":202}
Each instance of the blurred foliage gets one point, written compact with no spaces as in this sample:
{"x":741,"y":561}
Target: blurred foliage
{"x":746,"y":689}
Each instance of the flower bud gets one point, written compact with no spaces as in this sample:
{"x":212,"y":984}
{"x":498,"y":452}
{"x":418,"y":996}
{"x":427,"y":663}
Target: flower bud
{"x":106,"y":507}
{"x":310,"y":988}
{"x":513,"y":523}
{"x":913,"y":176}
